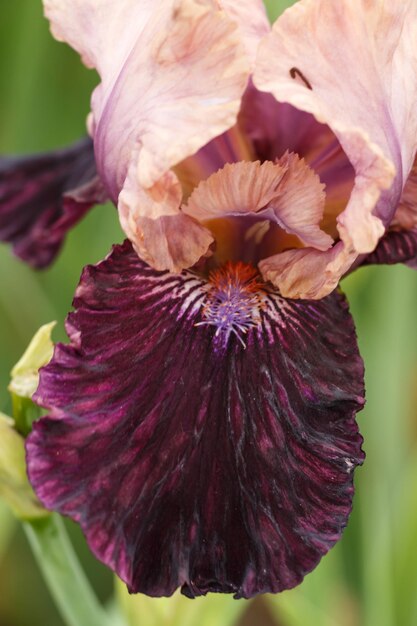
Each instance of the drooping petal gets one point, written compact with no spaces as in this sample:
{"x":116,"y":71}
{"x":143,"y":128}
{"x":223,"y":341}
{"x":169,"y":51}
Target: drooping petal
{"x":323,"y":55}
{"x":43,"y":196}
{"x":174,"y":84}
{"x":215,"y":470}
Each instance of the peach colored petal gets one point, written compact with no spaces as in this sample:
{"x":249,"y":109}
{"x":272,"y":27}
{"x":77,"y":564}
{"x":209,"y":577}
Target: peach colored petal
{"x":161,"y":235}
{"x":287,"y":192}
{"x":352,"y":64}
{"x":238,"y":188}
{"x":299,"y":206}
{"x":171,"y":242}
{"x":307,"y":273}
{"x":252,"y":19}
{"x":173,"y":73}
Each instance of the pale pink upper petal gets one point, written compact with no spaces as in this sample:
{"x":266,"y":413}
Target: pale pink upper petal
{"x":252,"y":19}
{"x":180,"y":87}
{"x":352,"y":64}
{"x":173,"y":73}
{"x":102,"y":31}
{"x":286,"y":193}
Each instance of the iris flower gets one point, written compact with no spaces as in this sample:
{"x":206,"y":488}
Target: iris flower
{"x":201,"y":422}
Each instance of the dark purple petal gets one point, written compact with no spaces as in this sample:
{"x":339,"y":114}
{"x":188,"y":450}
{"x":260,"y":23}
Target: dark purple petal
{"x":215,"y":470}
{"x":43,"y":196}
{"x":394,"y":247}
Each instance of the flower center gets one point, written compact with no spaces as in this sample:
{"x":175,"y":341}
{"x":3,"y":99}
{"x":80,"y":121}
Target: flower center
{"x":256,"y":211}
{"x":234,"y":301}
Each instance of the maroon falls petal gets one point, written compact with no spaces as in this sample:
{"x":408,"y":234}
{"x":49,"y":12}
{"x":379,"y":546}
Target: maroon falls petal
{"x":43,"y":196}
{"x":227,"y":470}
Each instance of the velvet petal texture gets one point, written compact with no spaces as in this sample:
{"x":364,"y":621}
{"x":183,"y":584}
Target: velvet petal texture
{"x":43,"y":196}
{"x":215,"y":470}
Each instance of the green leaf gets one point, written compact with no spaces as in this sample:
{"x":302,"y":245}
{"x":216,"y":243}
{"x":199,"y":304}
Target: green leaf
{"x":63,"y":574}
{"x":276,"y":7}
{"x":25,"y":378}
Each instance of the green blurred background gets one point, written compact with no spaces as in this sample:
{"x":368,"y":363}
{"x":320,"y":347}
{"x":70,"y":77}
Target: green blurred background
{"x":370,"y":578}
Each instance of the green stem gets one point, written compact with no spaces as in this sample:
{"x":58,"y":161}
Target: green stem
{"x":63,"y":574}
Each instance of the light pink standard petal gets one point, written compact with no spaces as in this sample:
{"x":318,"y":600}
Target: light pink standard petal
{"x":286,"y":193}
{"x":151,"y":58}
{"x":102,"y":31}
{"x":352,"y":64}
{"x":173,"y":73}
{"x":252,"y":19}
{"x":180,"y":87}
{"x":177,"y":113}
